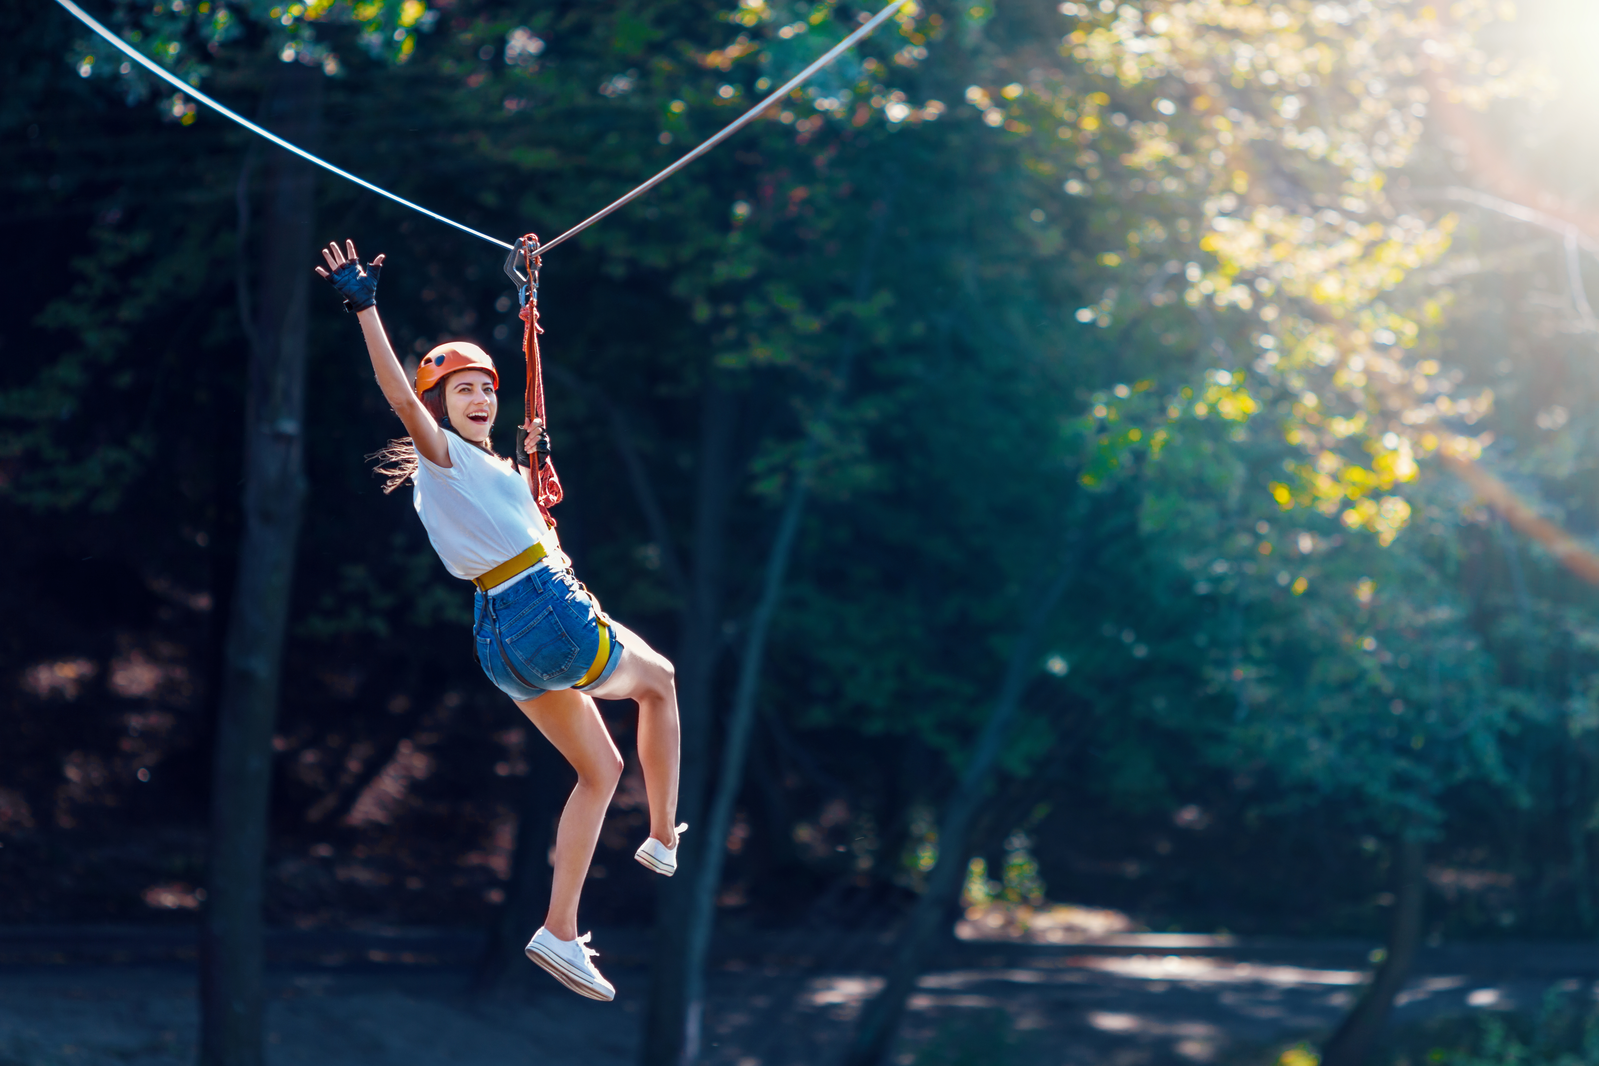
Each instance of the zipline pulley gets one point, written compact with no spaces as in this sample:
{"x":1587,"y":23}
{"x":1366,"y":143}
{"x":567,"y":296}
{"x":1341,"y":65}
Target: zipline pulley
{"x":525,"y":278}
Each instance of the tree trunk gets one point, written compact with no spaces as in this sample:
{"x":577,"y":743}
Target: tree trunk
{"x":1356,"y":1037}
{"x":1579,"y":822}
{"x":874,"y":1034}
{"x":701,"y":917}
{"x":527,"y":891}
{"x":231,"y":994}
{"x":672,"y":1015}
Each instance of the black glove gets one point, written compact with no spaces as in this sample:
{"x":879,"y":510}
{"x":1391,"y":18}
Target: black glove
{"x":358,"y":284}
{"x":540,"y":450}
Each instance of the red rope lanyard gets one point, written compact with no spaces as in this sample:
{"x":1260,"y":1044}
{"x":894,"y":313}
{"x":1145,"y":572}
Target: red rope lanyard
{"x":541,"y":476}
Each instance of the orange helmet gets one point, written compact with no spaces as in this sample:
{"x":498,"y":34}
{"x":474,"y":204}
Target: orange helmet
{"x":449,"y":357}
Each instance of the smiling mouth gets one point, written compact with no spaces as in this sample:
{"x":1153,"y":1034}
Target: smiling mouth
{"x":480,"y":417}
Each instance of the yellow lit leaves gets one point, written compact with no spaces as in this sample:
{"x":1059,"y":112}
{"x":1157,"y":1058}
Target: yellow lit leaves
{"x":1275,"y":130}
{"x":1362,"y":493}
{"x":411,"y":11}
{"x":750,"y":12}
{"x":1233,"y":403}
{"x":1392,"y":465}
{"x":1152,"y":150}
{"x":1116,"y":439}
{"x":1386,"y":517}
{"x":1341,"y":427}
{"x":1325,"y":257}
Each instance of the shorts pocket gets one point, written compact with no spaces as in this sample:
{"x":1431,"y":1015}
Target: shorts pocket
{"x":541,"y":649}
{"x":520,"y":607}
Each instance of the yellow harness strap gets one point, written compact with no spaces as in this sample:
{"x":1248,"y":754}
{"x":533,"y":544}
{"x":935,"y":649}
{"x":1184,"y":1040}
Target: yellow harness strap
{"x":527,"y":561}
{"x":602,"y":654}
{"x":510,"y":568}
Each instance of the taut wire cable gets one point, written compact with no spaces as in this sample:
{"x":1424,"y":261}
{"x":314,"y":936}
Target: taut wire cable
{"x":172,"y":79}
{"x":182,"y":86}
{"x":737,"y":124}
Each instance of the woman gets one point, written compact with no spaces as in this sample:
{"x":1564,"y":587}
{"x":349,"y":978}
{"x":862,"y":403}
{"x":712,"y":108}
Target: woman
{"x":540,"y":636}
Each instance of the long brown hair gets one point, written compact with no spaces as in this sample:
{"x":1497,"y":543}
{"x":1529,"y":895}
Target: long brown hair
{"x":397,"y":462}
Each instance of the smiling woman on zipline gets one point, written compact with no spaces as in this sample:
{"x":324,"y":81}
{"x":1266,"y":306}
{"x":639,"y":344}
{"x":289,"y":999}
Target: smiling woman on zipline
{"x":539,"y":635}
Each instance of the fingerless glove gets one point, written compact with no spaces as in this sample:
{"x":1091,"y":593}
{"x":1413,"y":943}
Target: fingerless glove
{"x":358,"y":284}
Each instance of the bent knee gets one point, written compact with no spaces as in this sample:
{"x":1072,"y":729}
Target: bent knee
{"x":603,"y":772}
{"x":660,"y":681}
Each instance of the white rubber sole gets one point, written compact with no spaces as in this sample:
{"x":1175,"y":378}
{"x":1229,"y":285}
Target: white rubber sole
{"x":650,"y":862}
{"x":647,"y":859}
{"x":565,"y":973}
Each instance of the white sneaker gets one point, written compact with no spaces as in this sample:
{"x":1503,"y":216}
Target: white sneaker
{"x":659,"y":857}
{"x":568,"y":961}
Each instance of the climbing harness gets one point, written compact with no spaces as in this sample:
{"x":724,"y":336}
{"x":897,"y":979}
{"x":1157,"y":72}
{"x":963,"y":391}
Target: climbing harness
{"x":517,"y":564}
{"x":520,"y":564}
{"x":783,"y":90}
{"x":522,"y":267}
{"x":602,"y":652}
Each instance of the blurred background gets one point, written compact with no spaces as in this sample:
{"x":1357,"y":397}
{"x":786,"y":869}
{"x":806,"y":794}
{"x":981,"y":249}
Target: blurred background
{"x":1116,"y":482}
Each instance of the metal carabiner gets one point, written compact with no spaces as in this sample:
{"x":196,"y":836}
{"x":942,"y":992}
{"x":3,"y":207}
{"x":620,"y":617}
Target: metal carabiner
{"x":527,"y":286}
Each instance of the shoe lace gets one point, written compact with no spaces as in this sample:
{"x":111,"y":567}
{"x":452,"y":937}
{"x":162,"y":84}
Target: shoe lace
{"x":583,"y":942}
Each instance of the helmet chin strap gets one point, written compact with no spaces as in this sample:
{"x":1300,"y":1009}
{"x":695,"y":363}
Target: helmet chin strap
{"x":445,"y":423}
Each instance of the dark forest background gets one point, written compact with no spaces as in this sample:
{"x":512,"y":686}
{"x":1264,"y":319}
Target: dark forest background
{"x":1003,"y":345}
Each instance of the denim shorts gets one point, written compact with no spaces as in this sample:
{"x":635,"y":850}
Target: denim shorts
{"x":542,"y":633}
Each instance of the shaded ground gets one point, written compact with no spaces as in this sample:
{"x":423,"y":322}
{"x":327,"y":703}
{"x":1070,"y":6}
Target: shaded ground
{"x":784,"y":1000}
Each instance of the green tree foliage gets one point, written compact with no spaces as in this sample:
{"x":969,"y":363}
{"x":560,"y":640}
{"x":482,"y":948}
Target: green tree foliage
{"x":1562,"y":1033}
{"x":1168,"y":274}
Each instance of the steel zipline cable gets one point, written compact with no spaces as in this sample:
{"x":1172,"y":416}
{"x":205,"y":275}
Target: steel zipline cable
{"x":799,"y":79}
{"x":739,"y":123}
{"x":167,"y":76}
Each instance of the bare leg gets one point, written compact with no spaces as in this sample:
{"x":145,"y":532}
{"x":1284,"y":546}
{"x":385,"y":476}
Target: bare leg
{"x":647,"y":677}
{"x":573,"y":724}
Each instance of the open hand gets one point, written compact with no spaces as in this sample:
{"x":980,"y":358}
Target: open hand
{"x":357,"y":284}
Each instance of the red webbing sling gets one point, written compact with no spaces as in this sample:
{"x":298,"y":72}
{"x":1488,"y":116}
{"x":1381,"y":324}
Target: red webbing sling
{"x":541,"y":475}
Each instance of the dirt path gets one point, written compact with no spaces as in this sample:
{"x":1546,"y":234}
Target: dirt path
{"x":1136,"y":1002}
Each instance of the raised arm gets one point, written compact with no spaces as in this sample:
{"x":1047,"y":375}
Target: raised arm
{"x":358,"y":285}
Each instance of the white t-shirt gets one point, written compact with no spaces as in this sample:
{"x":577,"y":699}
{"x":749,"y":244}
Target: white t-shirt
{"x":478,"y":511}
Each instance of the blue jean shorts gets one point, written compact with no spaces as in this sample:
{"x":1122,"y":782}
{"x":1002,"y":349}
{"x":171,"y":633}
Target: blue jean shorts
{"x":542,"y":633}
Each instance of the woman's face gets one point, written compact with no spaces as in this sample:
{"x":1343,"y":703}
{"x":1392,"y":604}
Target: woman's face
{"x":470,"y":402}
